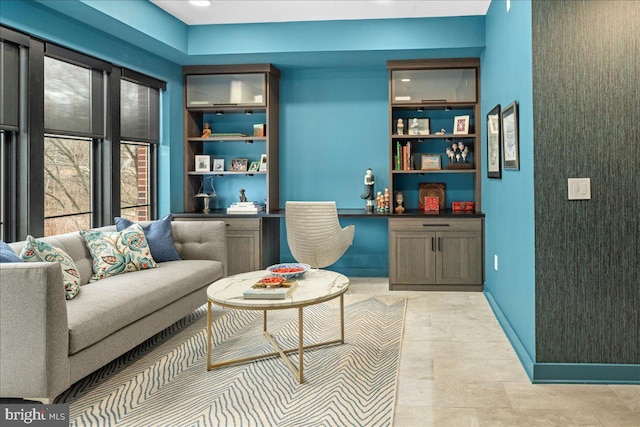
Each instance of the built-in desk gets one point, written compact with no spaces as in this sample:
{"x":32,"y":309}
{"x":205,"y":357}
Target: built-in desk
{"x":435,"y":251}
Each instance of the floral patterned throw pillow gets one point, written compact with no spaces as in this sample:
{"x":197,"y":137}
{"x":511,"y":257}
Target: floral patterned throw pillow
{"x":116,"y":252}
{"x":38,"y":251}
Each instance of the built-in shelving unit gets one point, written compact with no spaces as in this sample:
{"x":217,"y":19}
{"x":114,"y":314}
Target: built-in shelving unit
{"x":437,"y":250}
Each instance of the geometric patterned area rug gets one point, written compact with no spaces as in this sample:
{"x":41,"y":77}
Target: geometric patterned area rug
{"x":164,"y":381}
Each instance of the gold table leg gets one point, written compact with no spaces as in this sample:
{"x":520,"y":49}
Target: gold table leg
{"x":297,"y":372}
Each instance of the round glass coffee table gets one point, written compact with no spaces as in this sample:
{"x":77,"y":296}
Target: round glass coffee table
{"x":315,"y":287}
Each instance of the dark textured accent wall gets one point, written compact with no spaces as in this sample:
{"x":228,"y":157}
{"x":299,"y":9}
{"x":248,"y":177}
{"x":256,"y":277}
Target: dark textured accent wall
{"x":586,"y":75}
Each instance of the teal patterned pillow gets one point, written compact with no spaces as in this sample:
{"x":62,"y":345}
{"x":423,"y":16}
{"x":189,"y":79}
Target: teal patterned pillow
{"x":116,"y":252}
{"x":39,"y":251}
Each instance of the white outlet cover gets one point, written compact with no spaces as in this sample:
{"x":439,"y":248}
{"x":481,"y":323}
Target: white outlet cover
{"x":579,"y":188}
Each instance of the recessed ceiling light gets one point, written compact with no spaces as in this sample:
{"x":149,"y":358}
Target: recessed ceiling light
{"x":405,"y":80}
{"x":200,"y":2}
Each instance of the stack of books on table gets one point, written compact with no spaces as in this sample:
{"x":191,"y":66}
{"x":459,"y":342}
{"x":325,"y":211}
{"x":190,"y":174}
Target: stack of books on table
{"x":245,"y":207}
{"x":261,"y":291}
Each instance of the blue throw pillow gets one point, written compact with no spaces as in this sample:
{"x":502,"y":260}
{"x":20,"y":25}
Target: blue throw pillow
{"x":7,"y":254}
{"x":158,"y":234}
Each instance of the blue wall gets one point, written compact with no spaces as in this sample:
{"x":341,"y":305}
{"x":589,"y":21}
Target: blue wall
{"x":508,"y":203}
{"x":28,"y":16}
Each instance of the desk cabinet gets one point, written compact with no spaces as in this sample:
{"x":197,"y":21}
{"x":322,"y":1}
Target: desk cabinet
{"x":435,"y":254}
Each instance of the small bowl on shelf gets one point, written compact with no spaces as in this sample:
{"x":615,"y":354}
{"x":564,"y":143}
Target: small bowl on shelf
{"x":289,"y":270}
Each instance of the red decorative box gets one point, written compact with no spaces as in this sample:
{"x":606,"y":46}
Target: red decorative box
{"x":463,"y":206}
{"x":431,"y":203}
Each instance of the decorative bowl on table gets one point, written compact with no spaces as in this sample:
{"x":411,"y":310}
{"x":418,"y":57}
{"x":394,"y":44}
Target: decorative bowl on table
{"x":289,"y":270}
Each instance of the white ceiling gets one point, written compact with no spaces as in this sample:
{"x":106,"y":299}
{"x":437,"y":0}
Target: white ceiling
{"x":251,"y":11}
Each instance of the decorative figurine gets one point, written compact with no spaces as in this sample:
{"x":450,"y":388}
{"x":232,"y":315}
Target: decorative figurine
{"x":399,"y":127}
{"x":387,"y":200}
{"x":442,"y":132}
{"x":368,"y":194}
{"x":243,"y":197}
{"x":206,"y":133}
{"x":379,"y":202}
{"x":399,"y":201}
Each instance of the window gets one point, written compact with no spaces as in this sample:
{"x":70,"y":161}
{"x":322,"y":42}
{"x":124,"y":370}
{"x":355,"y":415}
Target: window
{"x":74,"y":128}
{"x":135,"y":178}
{"x":67,"y":184}
{"x":140,"y":133}
{"x":78,"y":139}
{"x":12,"y":69}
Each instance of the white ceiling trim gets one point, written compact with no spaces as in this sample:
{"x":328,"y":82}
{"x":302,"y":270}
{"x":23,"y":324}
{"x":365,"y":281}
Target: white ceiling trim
{"x":256,"y":11}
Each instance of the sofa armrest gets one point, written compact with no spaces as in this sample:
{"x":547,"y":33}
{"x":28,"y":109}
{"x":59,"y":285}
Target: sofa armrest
{"x":34,"y":333}
{"x":201,"y":240}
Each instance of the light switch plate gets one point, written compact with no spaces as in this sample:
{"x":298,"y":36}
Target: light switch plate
{"x":579,"y":188}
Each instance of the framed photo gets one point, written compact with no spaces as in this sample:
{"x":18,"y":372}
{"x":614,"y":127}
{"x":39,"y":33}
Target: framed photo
{"x":203,"y":163}
{"x":418,"y":126}
{"x":239,"y":165}
{"x":461,"y":125}
{"x":218,"y":165}
{"x":255,"y":166}
{"x":263,"y":163}
{"x":510,"y":143}
{"x":494,"y":150}
{"x":430,"y":162}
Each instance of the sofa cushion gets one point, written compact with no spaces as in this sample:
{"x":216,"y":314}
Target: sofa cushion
{"x":159,"y":238}
{"x":116,"y":252}
{"x":110,"y":304}
{"x":7,"y":254}
{"x":36,"y":250}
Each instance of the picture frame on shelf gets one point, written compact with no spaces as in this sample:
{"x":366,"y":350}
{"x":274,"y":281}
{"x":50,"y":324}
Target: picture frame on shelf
{"x":263,"y":163}
{"x":418,"y":126}
{"x":218,"y":165}
{"x":239,"y":165}
{"x":510,"y":142}
{"x":202,"y":163}
{"x":430,"y":162}
{"x":461,"y":125}
{"x":494,"y":143}
{"x":254,"y":166}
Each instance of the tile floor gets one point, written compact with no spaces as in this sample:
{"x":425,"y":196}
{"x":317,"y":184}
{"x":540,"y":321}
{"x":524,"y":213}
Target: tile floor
{"x":457,"y":368}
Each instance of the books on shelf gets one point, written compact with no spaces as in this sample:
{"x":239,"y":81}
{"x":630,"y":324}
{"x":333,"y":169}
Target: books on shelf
{"x":261,"y":291}
{"x":245,"y":207}
{"x":403,"y":159}
{"x":258,"y":129}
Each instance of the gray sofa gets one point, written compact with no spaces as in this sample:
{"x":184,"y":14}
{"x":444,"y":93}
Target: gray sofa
{"x":47,"y":343}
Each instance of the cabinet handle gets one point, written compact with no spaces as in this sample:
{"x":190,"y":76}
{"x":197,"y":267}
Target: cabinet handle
{"x":433,"y":244}
{"x":433,"y":101}
{"x":435,"y":225}
{"x":225,"y":105}
{"x":440,"y":244}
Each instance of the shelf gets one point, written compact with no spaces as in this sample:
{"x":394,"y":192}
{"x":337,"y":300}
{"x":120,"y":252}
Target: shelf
{"x":227,"y":173}
{"x":421,"y":172}
{"x":227,"y":139}
{"x":434,"y":136}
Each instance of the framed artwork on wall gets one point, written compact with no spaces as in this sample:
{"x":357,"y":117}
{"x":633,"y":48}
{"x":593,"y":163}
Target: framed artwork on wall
{"x":494,"y":151}
{"x":510,"y":143}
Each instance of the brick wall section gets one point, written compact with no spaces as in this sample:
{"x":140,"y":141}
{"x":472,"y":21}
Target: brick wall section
{"x":143,"y":182}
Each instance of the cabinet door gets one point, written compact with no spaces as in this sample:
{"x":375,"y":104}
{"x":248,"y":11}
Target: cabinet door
{"x":243,"y":245}
{"x":459,"y":258}
{"x":412,"y":257}
{"x":243,"y":251}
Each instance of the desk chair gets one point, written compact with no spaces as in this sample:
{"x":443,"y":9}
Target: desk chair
{"x":314,"y":234}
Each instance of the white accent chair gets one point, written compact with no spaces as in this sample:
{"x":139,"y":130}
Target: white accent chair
{"x":314,"y":234}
